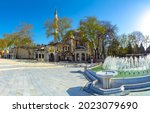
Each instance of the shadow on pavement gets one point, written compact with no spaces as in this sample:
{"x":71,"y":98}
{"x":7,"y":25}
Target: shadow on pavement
{"x":77,"y":91}
{"x":81,"y":72}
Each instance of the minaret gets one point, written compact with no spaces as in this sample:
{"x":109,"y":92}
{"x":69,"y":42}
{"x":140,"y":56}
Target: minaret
{"x":55,"y":27}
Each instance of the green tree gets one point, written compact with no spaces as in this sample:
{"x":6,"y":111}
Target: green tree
{"x":136,"y":49}
{"x":129,"y":49}
{"x":63,"y":26}
{"x":110,"y":34}
{"x":24,"y":34}
{"x":132,"y":39}
{"x":138,"y":37}
{"x":123,"y":40}
{"x":113,"y":49}
{"x":142,"y":50}
{"x":2,"y":45}
{"x":122,"y":51}
{"x":91,"y":29}
{"x":20,"y":38}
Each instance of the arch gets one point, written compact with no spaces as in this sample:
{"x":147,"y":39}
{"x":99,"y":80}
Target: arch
{"x":51,"y":57}
{"x":36,"y":55}
{"x":83,"y":56}
{"x":68,"y":56}
{"x":77,"y":57}
{"x":59,"y":58}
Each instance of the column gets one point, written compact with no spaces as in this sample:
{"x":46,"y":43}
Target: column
{"x":106,"y":81}
{"x":75,"y":57}
{"x":80,"y":57}
{"x":48,"y":57}
{"x":85,"y":57}
{"x":55,"y":57}
{"x":38,"y":56}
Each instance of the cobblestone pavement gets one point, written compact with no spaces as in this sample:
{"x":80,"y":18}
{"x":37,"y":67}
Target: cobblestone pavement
{"x":40,"y":79}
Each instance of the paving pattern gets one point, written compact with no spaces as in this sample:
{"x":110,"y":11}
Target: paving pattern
{"x":40,"y":79}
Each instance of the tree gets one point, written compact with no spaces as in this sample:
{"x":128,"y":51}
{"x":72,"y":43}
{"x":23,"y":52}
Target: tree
{"x":91,"y":29}
{"x":132,"y":39}
{"x":146,"y":40}
{"x":148,"y":50}
{"x":129,"y":49}
{"x":142,"y":50}
{"x":138,"y":37}
{"x":123,"y":40}
{"x":63,"y":26}
{"x":24,"y":34}
{"x":21,"y":38}
{"x":122,"y":51}
{"x":136,"y":49}
{"x":109,"y":35}
{"x":9,"y":40}
{"x":113,"y":49}
{"x":2,"y":44}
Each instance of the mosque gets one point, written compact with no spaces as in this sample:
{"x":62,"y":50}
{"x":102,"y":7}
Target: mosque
{"x":73,"y":49}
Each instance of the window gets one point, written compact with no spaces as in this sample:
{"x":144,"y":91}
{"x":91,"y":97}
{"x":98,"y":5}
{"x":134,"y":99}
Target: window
{"x":42,"y":55}
{"x":36,"y":55}
{"x":39,"y":55}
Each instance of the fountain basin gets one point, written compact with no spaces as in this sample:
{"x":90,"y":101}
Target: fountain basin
{"x":131,"y":74}
{"x":105,"y":77}
{"x":107,"y":73}
{"x":116,"y":85}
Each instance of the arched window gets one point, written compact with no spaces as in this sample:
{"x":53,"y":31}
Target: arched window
{"x":39,"y":55}
{"x":42,"y":55}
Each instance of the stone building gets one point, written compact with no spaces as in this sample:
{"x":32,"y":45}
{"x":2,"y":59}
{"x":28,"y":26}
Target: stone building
{"x":22,"y":53}
{"x":73,"y":49}
{"x":40,"y":53}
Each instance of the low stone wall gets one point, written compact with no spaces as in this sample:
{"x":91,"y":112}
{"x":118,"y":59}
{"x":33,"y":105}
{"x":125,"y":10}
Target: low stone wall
{"x":92,"y":73}
{"x":90,"y":76}
{"x":102,"y":91}
{"x":91,"y":88}
{"x":117,"y":82}
{"x":137,"y":87}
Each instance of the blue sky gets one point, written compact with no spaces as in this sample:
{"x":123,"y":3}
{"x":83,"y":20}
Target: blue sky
{"x":126,"y":14}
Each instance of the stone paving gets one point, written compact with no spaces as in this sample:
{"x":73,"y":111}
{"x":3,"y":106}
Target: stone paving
{"x":40,"y":79}
{"x":21,"y":78}
{"x":143,"y":93}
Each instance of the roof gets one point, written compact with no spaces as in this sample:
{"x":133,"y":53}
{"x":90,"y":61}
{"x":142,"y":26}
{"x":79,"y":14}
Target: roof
{"x":57,"y":43}
{"x":80,"y":47}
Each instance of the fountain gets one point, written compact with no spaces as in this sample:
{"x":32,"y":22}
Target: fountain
{"x":128,"y":73}
{"x":128,"y":64}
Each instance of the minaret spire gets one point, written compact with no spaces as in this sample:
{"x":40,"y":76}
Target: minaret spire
{"x":55,"y":26}
{"x":56,"y":15}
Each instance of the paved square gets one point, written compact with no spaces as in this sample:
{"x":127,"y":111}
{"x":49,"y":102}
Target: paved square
{"x":40,"y":79}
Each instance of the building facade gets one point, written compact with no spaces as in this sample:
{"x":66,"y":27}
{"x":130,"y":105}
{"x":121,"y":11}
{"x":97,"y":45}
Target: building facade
{"x":73,"y":49}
